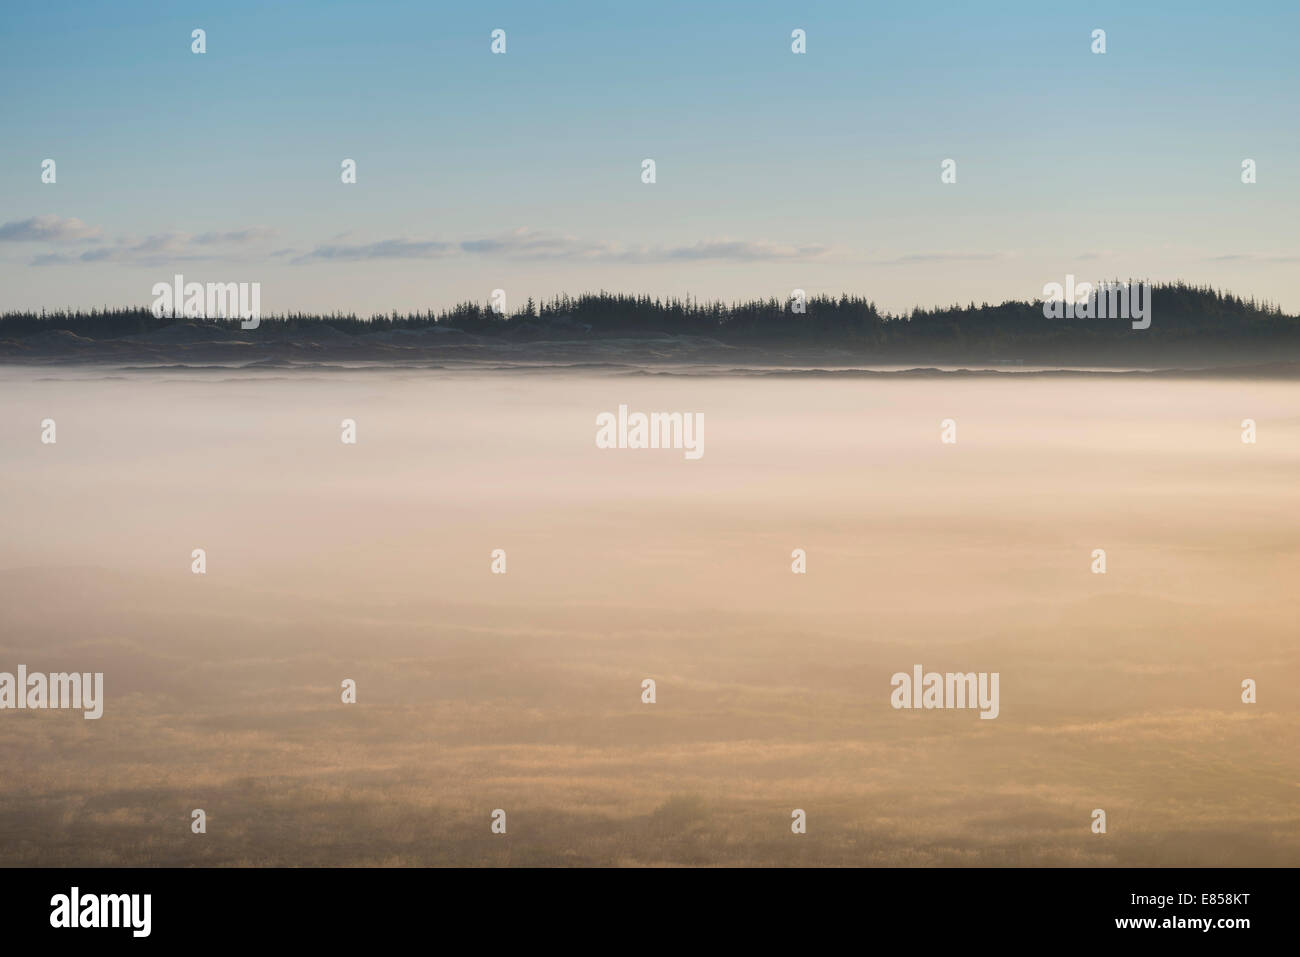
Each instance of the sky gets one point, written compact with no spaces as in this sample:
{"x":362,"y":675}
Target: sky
{"x":522,"y":171}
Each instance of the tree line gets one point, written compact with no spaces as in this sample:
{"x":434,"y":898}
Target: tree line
{"x":1181,"y":311}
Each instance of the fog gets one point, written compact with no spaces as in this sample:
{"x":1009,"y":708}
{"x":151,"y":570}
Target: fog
{"x":522,"y":691}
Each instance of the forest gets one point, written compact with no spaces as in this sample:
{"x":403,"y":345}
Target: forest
{"x":1184,"y":317}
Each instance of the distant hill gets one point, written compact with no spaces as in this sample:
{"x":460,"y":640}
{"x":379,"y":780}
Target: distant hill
{"x":1191,"y":325}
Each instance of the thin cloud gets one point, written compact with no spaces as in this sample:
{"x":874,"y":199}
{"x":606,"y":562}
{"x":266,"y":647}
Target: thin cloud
{"x":48,"y":229}
{"x":160,"y":248}
{"x":1252,"y":258}
{"x":747,"y":252}
{"x":384,"y":249}
{"x":519,"y":244}
{"x":915,"y":258}
{"x":527,"y":244}
{"x":238,"y":237}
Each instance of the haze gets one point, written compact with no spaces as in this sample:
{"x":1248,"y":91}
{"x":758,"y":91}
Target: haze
{"x":522,"y":691}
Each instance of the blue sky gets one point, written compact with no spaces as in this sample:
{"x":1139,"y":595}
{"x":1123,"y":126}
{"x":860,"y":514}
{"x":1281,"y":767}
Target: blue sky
{"x":775,"y":171}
